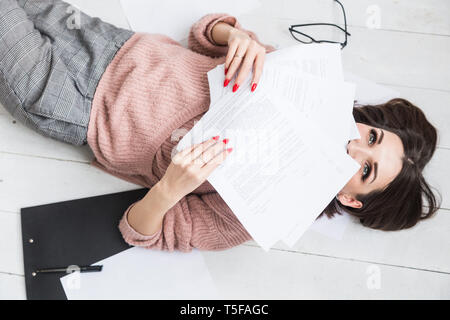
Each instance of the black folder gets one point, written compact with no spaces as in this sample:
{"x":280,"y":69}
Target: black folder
{"x":77,"y":232}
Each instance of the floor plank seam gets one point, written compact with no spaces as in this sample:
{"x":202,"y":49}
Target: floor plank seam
{"x":8,"y":211}
{"x":12,"y":274}
{"x":43,"y":157}
{"x":353,"y":260}
{"x":356,"y":26}
{"x":410,"y":87}
{"x":405,"y":31}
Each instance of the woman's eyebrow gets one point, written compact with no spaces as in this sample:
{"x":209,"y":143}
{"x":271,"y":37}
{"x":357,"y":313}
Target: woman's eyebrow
{"x":375,"y":171}
{"x":381,"y":136}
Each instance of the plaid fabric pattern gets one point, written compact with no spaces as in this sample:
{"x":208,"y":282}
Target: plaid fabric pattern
{"x":51,"y":58}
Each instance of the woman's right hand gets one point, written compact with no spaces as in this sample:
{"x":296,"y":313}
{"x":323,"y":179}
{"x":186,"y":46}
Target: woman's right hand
{"x":191,"y":167}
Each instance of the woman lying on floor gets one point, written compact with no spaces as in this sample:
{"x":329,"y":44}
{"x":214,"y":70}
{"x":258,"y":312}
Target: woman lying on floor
{"x":81,"y":80}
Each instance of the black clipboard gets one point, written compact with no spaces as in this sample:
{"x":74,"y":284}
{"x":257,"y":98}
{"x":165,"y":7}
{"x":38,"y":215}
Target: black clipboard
{"x":76,"y":232}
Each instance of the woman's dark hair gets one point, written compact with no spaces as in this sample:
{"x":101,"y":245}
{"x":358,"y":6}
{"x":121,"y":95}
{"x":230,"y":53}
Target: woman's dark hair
{"x":400,"y":204}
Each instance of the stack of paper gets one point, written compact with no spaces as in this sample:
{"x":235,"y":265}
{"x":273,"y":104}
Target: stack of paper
{"x":289,"y":141}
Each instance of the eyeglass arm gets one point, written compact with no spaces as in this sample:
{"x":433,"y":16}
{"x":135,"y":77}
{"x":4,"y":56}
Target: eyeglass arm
{"x":317,"y":24}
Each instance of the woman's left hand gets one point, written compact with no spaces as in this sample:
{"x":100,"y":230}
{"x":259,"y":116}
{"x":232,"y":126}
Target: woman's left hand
{"x":245,"y":52}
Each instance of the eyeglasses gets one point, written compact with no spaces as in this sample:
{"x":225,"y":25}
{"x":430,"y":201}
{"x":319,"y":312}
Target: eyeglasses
{"x":304,"y":38}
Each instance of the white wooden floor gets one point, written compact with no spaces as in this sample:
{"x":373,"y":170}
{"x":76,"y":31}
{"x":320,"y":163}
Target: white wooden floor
{"x":410,"y":53}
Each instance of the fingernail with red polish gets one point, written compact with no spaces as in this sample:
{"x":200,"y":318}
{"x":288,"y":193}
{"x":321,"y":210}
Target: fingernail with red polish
{"x":226,"y":82}
{"x":230,"y":149}
{"x":253,"y":87}
{"x":235,"y":87}
{"x":216,"y":138}
{"x":225,"y":141}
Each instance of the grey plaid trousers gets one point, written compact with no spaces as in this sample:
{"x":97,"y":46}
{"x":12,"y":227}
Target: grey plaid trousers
{"x":51,"y":58}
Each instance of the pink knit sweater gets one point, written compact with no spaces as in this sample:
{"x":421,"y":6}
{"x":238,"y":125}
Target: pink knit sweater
{"x":155,"y":89}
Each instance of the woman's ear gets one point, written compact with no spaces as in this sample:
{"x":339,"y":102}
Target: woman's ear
{"x":349,"y":201}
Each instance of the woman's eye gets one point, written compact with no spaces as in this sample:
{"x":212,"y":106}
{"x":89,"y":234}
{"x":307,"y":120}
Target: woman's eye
{"x":372,"y":136}
{"x":366,"y":172}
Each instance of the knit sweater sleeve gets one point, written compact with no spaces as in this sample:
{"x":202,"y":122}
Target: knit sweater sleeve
{"x":203,"y":221}
{"x":200,"y":36}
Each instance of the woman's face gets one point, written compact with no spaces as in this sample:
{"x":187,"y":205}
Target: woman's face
{"x":379,"y":152}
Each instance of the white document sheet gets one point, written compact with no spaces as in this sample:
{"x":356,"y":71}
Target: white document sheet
{"x":298,"y":73}
{"x":139,"y":273}
{"x":369,"y":92}
{"x":354,"y":132}
{"x":307,"y":93}
{"x":278,"y":160}
{"x":325,"y":102}
{"x":174,"y":18}
{"x":322,"y":61}
{"x":333,"y":228}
